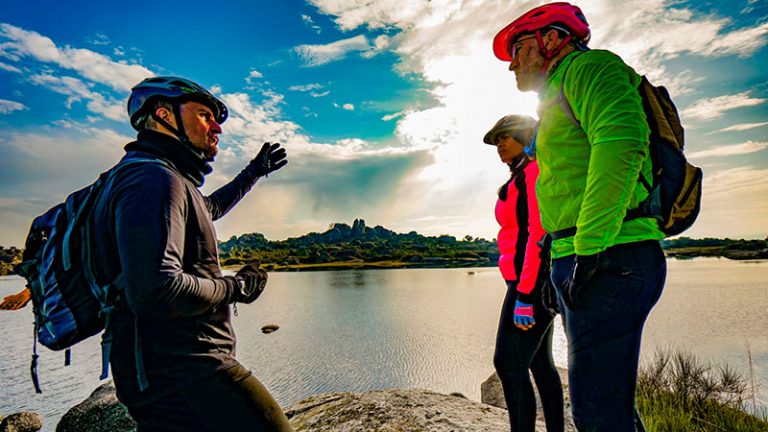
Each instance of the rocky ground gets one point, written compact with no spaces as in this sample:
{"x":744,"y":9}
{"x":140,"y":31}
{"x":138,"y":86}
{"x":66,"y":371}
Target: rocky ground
{"x":24,"y":421}
{"x":491,"y":393}
{"x":391,"y":410}
{"x":395,"y":410}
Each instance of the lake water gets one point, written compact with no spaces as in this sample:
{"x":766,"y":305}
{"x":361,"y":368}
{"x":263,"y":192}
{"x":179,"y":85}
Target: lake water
{"x":426,"y":328}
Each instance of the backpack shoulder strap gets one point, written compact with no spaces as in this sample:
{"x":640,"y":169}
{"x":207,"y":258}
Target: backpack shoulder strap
{"x":562,"y":100}
{"x":105,"y":297}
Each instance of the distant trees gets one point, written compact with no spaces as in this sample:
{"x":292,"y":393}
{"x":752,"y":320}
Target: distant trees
{"x":9,"y":257}
{"x":358,"y":243}
{"x":685,"y":247}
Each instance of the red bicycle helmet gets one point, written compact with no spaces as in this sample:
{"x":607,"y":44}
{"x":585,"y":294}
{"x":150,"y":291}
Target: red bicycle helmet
{"x":560,"y":14}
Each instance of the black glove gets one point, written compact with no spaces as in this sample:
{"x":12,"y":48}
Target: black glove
{"x":251,"y":280}
{"x":270,"y":158}
{"x":584,"y":269}
{"x":549,"y":297}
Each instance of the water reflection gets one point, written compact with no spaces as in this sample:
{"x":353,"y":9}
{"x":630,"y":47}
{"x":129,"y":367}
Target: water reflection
{"x":360,"y":330}
{"x":345,"y":279}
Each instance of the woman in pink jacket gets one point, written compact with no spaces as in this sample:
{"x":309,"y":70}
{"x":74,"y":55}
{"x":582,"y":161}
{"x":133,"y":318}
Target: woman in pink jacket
{"x":524,"y":338}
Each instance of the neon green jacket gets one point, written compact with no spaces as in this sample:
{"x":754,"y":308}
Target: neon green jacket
{"x":589,"y":175}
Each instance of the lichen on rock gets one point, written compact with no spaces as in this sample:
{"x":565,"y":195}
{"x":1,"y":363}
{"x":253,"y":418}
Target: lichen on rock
{"x":393,"y":410}
{"x":25,"y":421}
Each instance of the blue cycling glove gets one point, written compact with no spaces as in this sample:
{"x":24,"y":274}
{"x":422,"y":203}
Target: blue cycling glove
{"x":524,"y":315}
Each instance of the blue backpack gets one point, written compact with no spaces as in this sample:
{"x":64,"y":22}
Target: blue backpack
{"x":68,"y":304}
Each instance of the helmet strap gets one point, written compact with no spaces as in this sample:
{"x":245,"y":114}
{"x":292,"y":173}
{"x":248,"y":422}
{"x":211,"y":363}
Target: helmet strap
{"x":178,"y":132}
{"x":550,"y":54}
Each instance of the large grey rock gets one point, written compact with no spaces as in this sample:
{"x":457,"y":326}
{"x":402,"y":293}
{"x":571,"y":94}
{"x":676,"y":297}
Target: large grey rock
{"x":101,"y":412}
{"x":25,"y":421}
{"x":492,"y":393}
{"x":395,"y":410}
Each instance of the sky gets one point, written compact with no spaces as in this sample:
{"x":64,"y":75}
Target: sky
{"x":381,"y":105}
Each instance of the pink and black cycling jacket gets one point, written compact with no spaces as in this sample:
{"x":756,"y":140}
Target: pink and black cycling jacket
{"x":521,"y":230}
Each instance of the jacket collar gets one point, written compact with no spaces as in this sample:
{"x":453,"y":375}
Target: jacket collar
{"x":190,"y":163}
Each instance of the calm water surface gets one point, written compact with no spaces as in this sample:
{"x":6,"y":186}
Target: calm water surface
{"x":427,"y":328}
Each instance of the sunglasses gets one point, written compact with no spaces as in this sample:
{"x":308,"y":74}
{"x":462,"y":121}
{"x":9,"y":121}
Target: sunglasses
{"x":515,"y":48}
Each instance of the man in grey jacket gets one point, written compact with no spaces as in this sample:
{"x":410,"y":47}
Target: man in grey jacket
{"x":173,"y":349}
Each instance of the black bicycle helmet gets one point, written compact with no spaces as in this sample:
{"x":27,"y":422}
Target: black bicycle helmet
{"x":173,"y":89}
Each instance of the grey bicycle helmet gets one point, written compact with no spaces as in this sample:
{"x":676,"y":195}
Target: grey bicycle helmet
{"x":173,"y":89}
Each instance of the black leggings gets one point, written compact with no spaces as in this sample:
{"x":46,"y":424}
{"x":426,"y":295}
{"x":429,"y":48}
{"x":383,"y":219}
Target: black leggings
{"x":516,"y":352}
{"x":231,"y":400}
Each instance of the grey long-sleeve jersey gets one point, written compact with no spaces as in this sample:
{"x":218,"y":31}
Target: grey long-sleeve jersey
{"x":155,"y":229}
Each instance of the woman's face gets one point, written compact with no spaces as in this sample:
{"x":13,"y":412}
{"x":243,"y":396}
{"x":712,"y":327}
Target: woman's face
{"x":508,"y":147}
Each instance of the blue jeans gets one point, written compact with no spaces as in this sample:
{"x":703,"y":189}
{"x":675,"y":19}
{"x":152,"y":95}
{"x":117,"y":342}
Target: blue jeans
{"x":604,"y":334}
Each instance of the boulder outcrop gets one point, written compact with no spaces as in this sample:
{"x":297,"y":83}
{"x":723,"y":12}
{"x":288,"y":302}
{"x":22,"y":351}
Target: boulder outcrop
{"x":379,"y":410}
{"x":100,"y":412}
{"x":25,"y":421}
{"x":492,"y":393}
{"x":395,"y":410}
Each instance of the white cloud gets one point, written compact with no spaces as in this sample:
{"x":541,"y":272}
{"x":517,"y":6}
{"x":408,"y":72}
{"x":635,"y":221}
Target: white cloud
{"x":311,"y":23}
{"x":742,"y":127}
{"x":77,"y":90}
{"x":737,"y":197}
{"x":308,"y":112}
{"x":306,"y":88}
{"x":99,"y":39}
{"x":316,"y":55}
{"x":448,"y":44}
{"x":320,"y":94}
{"x":252,"y":77}
{"x":252,"y":123}
{"x":742,"y":42}
{"x":91,"y":65}
{"x":678,"y":84}
{"x":730,"y":150}
{"x":711,"y":108}
{"x":668,"y":31}
{"x":7,"y":106}
{"x":322,"y":182}
{"x":9,"y":68}
{"x":390,"y":117}
{"x":381,"y":43}
{"x":351,"y":14}
{"x":39,"y":169}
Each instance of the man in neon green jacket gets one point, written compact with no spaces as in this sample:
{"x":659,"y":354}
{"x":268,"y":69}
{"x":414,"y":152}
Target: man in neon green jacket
{"x":592,"y":148}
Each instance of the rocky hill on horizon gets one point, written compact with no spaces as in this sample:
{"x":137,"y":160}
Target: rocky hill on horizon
{"x":358,"y":243}
{"x":361,"y":246}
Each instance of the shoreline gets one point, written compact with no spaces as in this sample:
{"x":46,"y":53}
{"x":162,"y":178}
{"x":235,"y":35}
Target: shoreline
{"x":680,"y":255}
{"x":386,"y":265}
